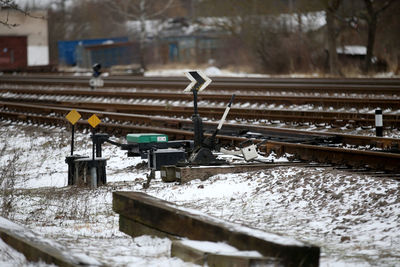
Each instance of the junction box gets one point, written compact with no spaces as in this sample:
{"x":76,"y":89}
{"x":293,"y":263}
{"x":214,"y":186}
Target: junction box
{"x":79,"y":170}
{"x":163,"y":157}
{"x":83,"y":172}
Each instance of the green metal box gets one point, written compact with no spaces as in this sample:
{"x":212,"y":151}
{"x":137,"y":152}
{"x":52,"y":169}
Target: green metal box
{"x":146,"y":138}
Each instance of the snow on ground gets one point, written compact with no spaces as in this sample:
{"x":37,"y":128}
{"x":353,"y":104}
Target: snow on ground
{"x":354,"y":218}
{"x":214,"y":71}
{"x":211,"y":71}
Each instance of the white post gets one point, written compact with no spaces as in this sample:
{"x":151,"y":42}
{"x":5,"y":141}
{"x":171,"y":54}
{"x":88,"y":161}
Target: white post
{"x":378,"y":122}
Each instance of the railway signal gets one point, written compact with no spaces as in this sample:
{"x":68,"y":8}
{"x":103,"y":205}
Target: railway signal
{"x":78,"y":166}
{"x":96,"y":81}
{"x":202,"y":152}
{"x":94,"y":121}
{"x":73,"y":116}
{"x":199,"y":81}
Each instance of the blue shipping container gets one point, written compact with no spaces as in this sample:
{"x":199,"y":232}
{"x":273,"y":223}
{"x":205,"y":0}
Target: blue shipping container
{"x":107,"y":55}
{"x":67,"y":49}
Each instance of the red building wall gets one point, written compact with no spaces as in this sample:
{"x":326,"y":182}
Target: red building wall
{"x":13,"y":52}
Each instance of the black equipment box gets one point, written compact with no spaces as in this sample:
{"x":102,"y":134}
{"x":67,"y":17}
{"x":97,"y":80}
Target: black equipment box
{"x":163,"y":157}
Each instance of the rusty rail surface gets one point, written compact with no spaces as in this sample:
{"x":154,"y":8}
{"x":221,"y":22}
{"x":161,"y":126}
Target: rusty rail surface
{"x":215,"y":112}
{"x":383,"y":86}
{"x":358,"y":101}
{"x":26,"y":111}
{"x":126,"y":123}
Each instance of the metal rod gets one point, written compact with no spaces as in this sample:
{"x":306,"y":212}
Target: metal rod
{"x":195,"y":102}
{"x":228,"y":108}
{"x":93,"y":149}
{"x":72,"y":139}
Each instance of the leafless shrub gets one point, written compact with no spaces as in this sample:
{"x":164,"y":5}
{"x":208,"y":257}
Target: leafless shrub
{"x":8,"y":177}
{"x":57,"y":205}
{"x":286,"y":53}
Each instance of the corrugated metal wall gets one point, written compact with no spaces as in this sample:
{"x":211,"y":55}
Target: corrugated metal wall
{"x":108,"y":55}
{"x":67,"y":49}
{"x":13,"y":52}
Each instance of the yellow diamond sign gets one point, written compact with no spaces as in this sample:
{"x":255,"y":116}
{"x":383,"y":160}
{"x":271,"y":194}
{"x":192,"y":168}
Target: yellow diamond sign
{"x":73,"y":116}
{"x":94,"y":121}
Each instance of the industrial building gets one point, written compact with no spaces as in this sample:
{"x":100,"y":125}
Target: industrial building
{"x":26,"y":43}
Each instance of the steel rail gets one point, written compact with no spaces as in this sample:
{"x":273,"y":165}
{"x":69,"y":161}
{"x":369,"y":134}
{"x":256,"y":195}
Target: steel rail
{"x":390,"y":86}
{"x":335,"y":102}
{"x":322,"y":117}
{"x":175,"y":123}
{"x":285,"y":115}
{"x":87,"y":75}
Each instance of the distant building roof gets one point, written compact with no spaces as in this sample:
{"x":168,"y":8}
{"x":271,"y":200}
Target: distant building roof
{"x":172,"y":27}
{"x":356,"y":50}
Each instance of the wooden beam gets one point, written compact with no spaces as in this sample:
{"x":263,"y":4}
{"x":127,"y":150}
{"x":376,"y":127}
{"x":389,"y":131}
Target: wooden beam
{"x":37,"y":249}
{"x":185,"y":174}
{"x":165,"y":217}
{"x":203,"y":257}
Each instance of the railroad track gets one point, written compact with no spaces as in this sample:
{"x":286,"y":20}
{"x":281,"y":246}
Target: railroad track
{"x":332,"y":86}
{"x":180,"y":105}
{"x":354,"y":101}
{"x":376,"y":154}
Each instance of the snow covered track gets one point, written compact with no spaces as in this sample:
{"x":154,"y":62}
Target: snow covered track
{"x":289,"y":114}
{"x":311,"y":146}
{"x":316,"y":99}
{"x":141,"y":213}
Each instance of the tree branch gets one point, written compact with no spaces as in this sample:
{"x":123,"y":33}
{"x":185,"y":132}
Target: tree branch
{"x":11,"y":5}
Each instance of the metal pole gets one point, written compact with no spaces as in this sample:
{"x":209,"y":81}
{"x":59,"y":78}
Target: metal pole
{"x":72,"y":139}
{"x":195,"y":102}
{"x":197,"y":123}
{"x":93,"y":147}
{"x":98,"y":147}
{"x":93,"y":169}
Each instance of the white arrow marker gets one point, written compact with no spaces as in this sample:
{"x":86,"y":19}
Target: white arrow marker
{"x":199,"y":81}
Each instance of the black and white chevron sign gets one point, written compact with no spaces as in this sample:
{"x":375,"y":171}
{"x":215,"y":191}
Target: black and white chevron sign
{"x":199,"y":81}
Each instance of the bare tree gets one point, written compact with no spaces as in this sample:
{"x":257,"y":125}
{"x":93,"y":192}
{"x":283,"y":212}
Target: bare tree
{"x":373,"y":10}
{"x":9,"y":5}
{"x":251,"y":28}
{"x":140,"y":11}
{"x":331,"y":7}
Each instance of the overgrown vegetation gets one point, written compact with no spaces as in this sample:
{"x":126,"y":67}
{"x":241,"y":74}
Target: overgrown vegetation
{"x":8,"y":177}
{"x":16,"y":163}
